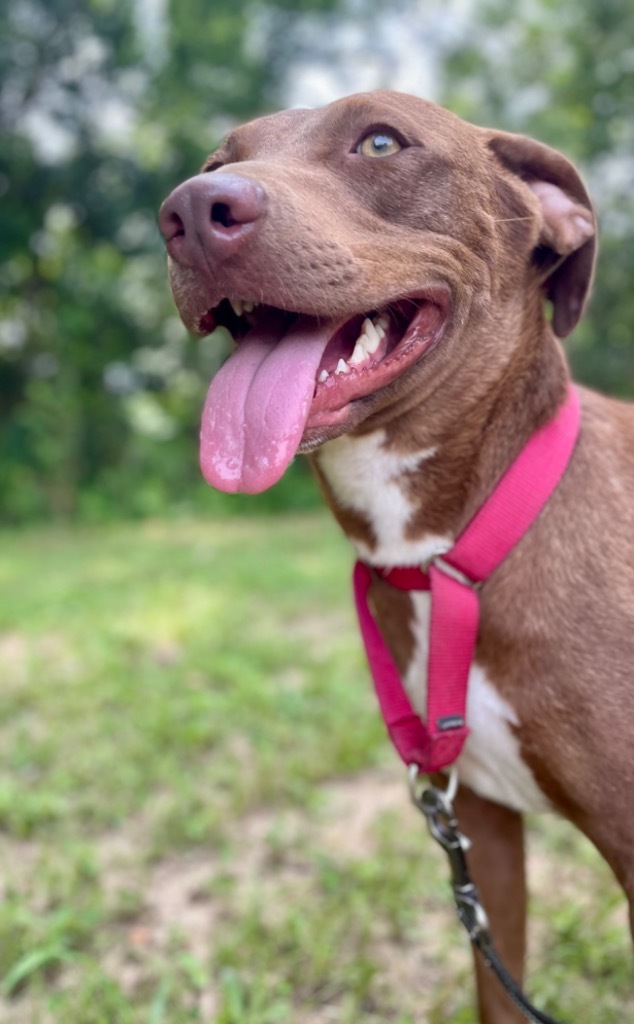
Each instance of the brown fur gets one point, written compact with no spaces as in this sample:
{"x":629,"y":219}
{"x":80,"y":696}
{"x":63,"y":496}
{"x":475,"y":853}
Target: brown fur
{"x":471,"y":209}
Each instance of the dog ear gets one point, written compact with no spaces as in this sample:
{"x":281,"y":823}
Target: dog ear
{"x":567,"y":241}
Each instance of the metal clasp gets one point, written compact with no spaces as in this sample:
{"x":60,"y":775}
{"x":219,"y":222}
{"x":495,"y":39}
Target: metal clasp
{"x":437,"y":806}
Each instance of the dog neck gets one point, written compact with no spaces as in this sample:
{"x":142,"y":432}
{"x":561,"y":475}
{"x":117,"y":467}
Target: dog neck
{"x":406,"y":483}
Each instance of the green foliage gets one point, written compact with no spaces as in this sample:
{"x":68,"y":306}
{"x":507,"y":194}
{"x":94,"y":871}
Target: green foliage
{"x":102,"y":112}
{"x":105,"y":107}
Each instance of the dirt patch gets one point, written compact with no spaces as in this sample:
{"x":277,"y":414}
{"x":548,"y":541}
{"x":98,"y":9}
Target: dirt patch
{"x":183,"y":896}
{"x":18,"y":652}
{"x":179,"y":891}
{"x":186,"y":901}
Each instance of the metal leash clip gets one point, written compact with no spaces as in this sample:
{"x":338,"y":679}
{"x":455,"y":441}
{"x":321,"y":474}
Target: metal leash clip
{"x":437,"y":806}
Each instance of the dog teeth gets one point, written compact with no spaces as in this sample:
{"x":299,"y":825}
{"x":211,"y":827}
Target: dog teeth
{"x":241,"y":306}
{"x":360,"y":353}
{"x":371,"y":336}
{"x":372,"y":333}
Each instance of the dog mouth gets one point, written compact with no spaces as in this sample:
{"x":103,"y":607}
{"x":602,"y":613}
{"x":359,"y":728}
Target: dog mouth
{"x":293,"y":376}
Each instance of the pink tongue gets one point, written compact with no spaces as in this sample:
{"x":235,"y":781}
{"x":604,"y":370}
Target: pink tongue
{"x":257,"y":406}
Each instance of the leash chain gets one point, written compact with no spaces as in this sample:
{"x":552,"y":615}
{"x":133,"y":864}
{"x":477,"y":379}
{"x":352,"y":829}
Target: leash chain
{"x":437,"y":807}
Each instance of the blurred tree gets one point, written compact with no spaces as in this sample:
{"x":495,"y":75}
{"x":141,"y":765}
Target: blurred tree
{"x":104,"y":106}
{"x":564,"y":72}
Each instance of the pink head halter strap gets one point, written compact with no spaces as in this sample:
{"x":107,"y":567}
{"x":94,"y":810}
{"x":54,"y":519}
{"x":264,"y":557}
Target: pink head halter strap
{"x":454,"y":580}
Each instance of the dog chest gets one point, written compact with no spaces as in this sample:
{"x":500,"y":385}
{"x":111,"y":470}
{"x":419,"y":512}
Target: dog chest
{"x":366,"y":477}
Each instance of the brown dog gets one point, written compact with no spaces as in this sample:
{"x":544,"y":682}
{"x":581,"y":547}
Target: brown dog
{"x":383,"y":266}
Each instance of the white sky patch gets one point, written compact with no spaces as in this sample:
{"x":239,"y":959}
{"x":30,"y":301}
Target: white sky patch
{"x":394,"y":49}
{"x":116,"y":124}
{"x":51,"y":140}
{"x":152,"y":25}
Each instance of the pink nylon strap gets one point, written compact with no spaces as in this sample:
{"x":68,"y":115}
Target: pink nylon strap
{"x":496,"y":528}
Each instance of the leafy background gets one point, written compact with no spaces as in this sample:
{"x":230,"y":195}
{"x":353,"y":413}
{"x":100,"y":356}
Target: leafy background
{"x":106,"y":104}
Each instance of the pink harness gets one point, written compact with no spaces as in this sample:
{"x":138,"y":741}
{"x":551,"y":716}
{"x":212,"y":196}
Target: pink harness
{"x":454,"y":580}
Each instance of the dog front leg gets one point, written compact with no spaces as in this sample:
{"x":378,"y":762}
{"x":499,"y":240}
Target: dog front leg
{"x":497,"y":865}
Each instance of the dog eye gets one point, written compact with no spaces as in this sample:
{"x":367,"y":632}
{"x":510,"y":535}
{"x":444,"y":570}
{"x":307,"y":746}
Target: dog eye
{"x":378,"y":144}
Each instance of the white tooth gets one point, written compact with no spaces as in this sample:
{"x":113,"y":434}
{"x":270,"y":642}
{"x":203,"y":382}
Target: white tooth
{"x":382,"y":322}
{"x":237,"y":306}
{"x":342,"y":367}
{"x":373,"y":338}
{"x":323,"y":376}
{"x":248,"y":307}
{"x":360,"y":353}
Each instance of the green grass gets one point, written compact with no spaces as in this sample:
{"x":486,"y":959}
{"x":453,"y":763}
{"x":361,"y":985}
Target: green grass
{"x":190,"y":759}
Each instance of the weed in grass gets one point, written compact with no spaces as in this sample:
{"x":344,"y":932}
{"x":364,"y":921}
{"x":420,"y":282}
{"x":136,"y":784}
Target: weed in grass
{"x":38,"y":944}
{"x":46,"y":929}
{"x":186,"y":816}
{"x":94,"y":999}
{"x":317,"y":939}
{"x":253,"y":1003}
{"x":584,"y":944}
{"x":26,"y":813}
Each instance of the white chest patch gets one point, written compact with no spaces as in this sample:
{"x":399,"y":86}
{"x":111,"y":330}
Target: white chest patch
{"x":364,"y":476}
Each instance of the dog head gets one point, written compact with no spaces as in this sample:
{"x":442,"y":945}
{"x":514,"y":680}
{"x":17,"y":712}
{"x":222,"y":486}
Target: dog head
{"x":354,"y":253}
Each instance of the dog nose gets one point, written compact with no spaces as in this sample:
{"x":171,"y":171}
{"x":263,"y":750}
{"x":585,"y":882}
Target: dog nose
{"x":209,"y":217}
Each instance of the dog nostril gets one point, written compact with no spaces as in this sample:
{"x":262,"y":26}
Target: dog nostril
{"x":221,"y":214}
{"x":172,"y":226}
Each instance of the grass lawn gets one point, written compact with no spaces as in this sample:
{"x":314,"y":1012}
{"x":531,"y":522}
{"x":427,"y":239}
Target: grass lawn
{"x":200,"y":817}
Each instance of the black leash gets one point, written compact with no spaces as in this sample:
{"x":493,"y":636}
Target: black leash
{"x":437,"y":806}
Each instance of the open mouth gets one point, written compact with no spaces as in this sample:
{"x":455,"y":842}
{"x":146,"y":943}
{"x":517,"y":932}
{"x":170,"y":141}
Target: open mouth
{"x":292,"y":374}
